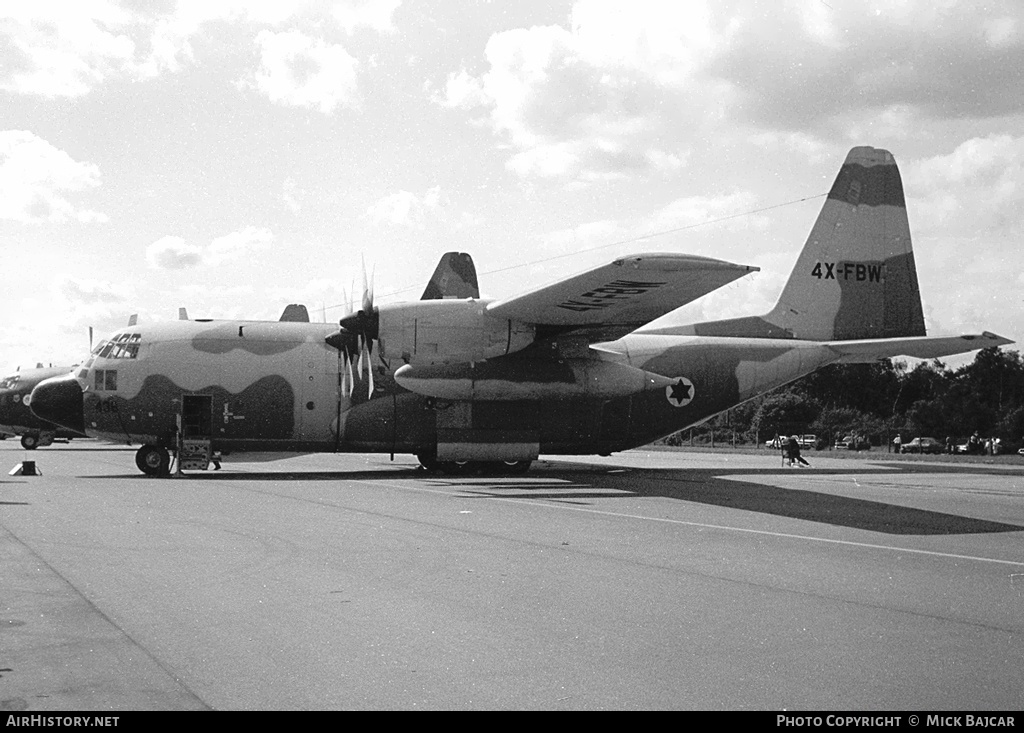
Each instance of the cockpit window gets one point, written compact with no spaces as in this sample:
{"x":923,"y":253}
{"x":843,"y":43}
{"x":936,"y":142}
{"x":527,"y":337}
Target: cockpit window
{"x":10,"y":382}
{"x":122,"y":346}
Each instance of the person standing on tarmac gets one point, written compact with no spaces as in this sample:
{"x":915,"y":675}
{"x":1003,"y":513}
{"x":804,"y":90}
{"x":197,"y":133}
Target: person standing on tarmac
{"x":793,"y":452}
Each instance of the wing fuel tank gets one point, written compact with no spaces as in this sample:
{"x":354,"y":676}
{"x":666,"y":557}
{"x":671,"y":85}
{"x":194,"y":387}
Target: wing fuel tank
{"x":529,"y":380}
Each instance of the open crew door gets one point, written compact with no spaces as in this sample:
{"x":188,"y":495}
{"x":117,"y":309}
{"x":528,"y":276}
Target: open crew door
{"x":196,"y":427}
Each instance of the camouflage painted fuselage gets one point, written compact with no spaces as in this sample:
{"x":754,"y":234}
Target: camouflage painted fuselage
{"x":276,"y":387}
{"x":16,"y":416}
{"x":473,"y":380}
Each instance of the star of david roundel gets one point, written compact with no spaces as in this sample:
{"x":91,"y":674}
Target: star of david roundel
{"x":680,"y":392}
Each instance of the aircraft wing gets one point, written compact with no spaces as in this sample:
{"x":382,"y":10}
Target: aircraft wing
{"x":919,"y":347}
{"x":626,"y":292}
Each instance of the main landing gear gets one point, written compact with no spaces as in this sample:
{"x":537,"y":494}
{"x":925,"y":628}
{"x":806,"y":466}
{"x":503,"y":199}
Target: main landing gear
{"x":153,"y":460}
{"x":470,"y":468}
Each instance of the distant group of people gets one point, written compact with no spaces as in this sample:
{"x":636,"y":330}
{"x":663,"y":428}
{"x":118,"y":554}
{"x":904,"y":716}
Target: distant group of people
{"x":976,"y":445}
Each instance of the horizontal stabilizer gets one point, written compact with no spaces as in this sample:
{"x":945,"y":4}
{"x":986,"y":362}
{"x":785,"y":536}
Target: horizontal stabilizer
{"x":627,"y":292}
{"x":871,"y":350}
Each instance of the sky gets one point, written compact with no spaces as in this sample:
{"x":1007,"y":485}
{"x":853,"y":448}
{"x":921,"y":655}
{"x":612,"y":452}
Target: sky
{"x":231,"y":156}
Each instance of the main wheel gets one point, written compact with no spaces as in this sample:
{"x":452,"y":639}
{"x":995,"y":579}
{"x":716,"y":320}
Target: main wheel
{"x":29,"y":441}
{"x":505,"y":468}
{"x":515,"y":468}
{"x":458,"y":468}
{"x":153,"y":460}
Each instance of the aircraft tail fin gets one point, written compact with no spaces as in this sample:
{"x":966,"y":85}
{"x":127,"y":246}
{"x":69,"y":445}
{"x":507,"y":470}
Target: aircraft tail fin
{"x":454,"y":277}
{"x":296,"y":313}
{"x":856,"y":277}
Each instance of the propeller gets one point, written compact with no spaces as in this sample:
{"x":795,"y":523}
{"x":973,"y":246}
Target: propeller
{"x":354,"y":339}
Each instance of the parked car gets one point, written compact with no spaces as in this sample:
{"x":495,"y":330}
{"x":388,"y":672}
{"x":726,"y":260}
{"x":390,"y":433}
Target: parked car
{"x":853,"y":442}
{"x":804,"y":441}
{"x":923,"y":445}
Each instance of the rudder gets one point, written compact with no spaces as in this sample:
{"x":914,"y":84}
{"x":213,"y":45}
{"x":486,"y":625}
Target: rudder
{"x":856,"y":277}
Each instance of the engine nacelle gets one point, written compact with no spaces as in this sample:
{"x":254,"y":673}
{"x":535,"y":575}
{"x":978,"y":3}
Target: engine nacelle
{"x":448,"y":332}
{"x":520,"y":379}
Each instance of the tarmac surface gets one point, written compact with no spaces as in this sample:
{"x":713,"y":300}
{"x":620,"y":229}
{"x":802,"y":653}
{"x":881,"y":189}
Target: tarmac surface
{"x":648,"y":580}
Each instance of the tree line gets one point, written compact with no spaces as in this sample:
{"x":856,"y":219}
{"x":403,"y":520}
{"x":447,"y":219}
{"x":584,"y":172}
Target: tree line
{"x":883,"y":399}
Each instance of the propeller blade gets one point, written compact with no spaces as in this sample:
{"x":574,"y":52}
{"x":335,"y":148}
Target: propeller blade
{"x":367,"y":292}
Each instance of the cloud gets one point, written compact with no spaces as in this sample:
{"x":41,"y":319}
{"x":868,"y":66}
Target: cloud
{"x":373,"y":14}
{"x":977,"y":190}
{"x":809,"y":63}
{"x":78,"y":303}
{"x":299,"y":71}
{"x":288,"y":195}
{"x":462,"y":91}
{"x":68,"y":49}
{"x":174,"y":253}
{"x":63,"y":49}
{"x":599,"y":100}
{"x":406,"y":209}
{"x":237,"y":245}
{"x":78,"y":291}
{"x":35,"y":178}
{"x":728,"y":210}
{"x":628,"y":91}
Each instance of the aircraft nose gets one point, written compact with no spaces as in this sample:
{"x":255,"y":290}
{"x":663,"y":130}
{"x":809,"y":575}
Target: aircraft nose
{"x":59,"y":400}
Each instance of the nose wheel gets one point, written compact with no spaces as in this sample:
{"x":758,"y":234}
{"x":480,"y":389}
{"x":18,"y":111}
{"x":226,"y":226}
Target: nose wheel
{"x":153,"y":460}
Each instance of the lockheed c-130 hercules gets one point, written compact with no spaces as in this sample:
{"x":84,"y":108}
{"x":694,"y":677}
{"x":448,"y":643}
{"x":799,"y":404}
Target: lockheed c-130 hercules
{"x":465,"y":382}
{"x":16,"y":416}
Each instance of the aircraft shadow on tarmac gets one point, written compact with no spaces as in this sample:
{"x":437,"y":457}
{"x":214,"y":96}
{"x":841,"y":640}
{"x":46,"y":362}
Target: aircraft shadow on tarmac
{"x":737,"y":489}
{"x":734,"y":488}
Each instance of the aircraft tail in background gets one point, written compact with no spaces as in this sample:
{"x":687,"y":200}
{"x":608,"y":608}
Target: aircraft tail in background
{"x":295,"y":313}
{"x":454,"y":277}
